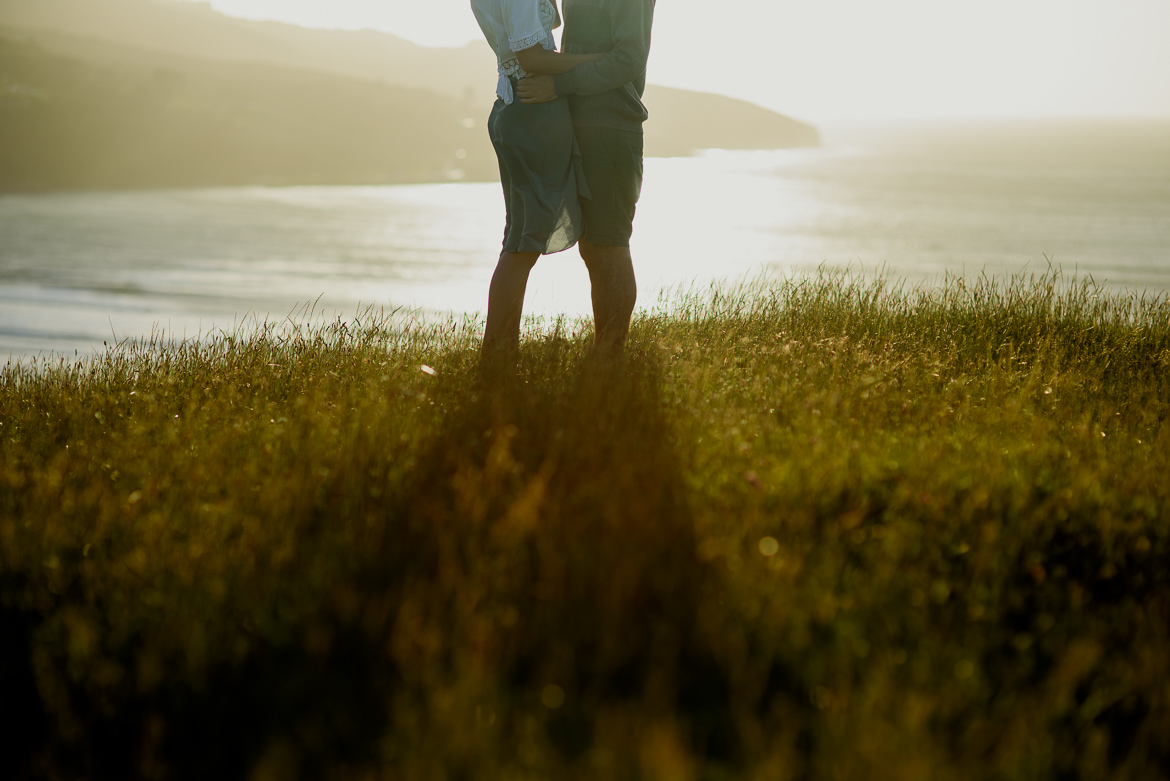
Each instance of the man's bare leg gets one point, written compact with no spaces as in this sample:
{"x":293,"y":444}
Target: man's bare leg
{"x":614,"y":292}
{"x":501,"y":336}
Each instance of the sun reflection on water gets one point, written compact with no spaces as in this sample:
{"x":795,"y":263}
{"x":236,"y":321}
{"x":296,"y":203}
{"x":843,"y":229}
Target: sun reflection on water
{"x":80,"y":268}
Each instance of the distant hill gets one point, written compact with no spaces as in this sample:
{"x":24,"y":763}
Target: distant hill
{"x":67,"y":123}
{"x":130,"y":93}
{"x":188,"y":29}
{"x":685,"y":121}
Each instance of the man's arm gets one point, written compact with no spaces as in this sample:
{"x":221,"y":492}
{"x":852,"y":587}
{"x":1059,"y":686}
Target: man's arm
{"x":622,"y":64}
{"x":541,"y":60}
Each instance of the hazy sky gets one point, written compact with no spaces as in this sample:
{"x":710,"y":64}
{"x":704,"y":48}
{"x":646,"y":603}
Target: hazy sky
{"x":846,"y":59}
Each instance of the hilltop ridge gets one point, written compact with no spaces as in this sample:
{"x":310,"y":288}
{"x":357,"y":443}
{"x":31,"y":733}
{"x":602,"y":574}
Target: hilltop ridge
{"x":143,"y":120}
{"x":195,"y":30}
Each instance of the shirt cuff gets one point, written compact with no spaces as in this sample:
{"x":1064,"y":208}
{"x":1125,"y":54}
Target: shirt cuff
{"x":565,"y":83}
{"x":520,"y":44}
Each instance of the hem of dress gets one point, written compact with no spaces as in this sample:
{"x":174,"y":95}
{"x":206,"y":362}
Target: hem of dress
{"x":546,"y":251}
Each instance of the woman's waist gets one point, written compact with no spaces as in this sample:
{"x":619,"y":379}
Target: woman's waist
{"x":546,"y":117}
{"x":508,"y":89}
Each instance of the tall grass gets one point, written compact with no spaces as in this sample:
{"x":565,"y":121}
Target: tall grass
{"x":818,"y":528}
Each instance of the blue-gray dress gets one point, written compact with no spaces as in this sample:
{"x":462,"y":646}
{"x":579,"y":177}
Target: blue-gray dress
{"x":540,"y":162}
{"x":540,"y":169}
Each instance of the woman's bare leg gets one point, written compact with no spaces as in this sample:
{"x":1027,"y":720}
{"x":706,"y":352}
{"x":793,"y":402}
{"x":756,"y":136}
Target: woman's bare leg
{"x":501,"y":336}
{"x":614,"y":292}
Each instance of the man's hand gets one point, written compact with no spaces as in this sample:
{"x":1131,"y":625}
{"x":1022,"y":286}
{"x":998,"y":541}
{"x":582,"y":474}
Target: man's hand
{"x":537,"y":89}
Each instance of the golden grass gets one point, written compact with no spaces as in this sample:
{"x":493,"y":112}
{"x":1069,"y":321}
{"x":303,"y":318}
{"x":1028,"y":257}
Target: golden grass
{"x":823,"y":528}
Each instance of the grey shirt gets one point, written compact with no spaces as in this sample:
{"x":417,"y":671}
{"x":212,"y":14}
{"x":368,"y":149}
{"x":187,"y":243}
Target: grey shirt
{"x":607,"y":93}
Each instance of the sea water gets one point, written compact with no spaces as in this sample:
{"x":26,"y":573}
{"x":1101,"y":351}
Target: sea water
{"x":917,"y":203}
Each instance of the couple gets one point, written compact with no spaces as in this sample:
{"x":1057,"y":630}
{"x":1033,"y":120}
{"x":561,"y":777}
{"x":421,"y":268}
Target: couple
{"x":567,"y":129}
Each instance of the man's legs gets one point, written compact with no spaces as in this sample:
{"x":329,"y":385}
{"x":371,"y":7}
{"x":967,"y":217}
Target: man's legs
{"x":612,"y":161}
{"x":501,"y":336}
{"x":614,"y":292}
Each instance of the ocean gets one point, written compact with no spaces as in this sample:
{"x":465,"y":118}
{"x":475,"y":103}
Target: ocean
{"x":916,"y":202}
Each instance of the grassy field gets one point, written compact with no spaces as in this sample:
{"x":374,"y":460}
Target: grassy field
{"x":817,"y":529}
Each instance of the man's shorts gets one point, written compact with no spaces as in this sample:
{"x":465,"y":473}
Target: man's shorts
{"x":612,"y":160}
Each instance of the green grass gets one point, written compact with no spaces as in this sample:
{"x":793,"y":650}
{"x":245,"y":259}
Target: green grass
{"x":814,"y":529}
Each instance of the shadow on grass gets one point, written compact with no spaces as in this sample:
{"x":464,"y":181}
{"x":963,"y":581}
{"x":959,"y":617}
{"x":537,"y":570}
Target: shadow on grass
{"x":562,"y":562}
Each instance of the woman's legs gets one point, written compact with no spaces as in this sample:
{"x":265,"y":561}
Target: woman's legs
{"x":501,"y":336}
